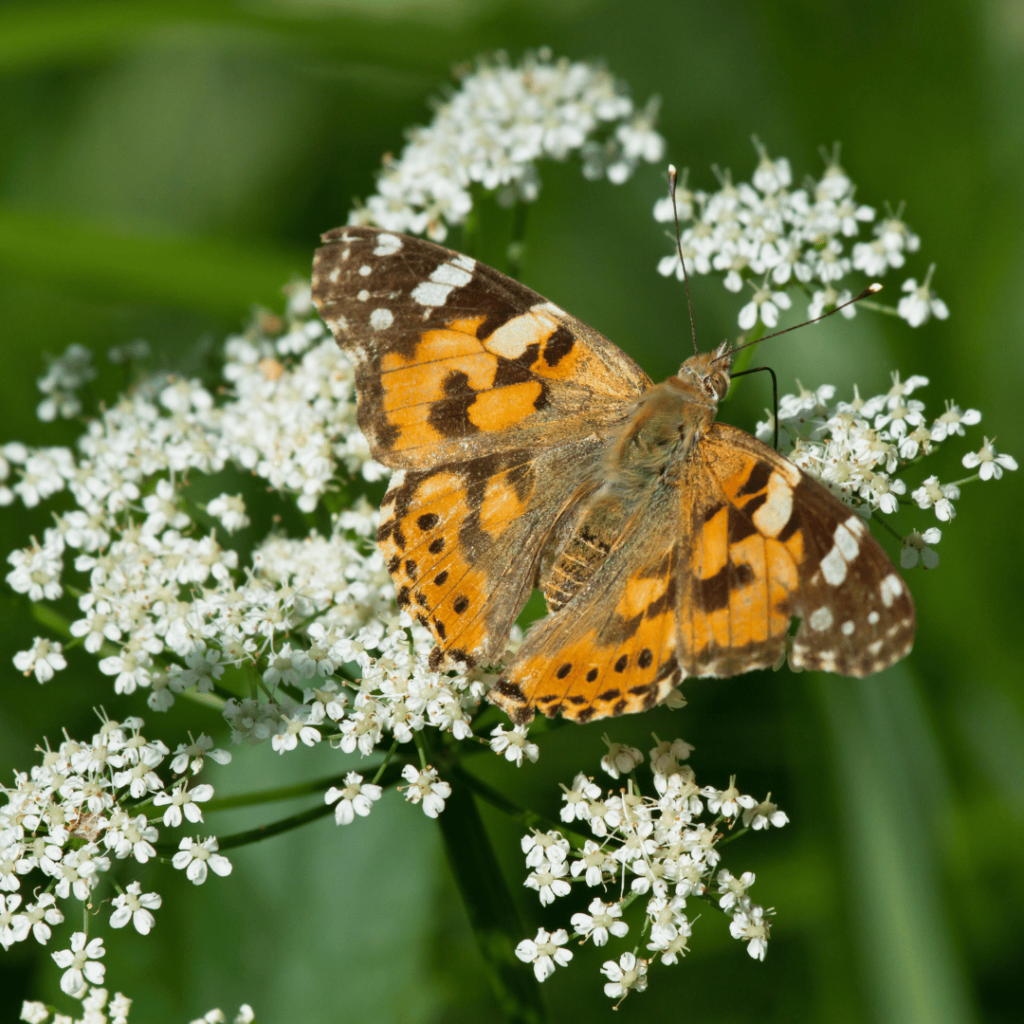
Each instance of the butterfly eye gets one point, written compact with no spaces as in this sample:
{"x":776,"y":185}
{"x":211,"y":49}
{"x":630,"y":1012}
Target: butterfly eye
{"x":716,"y":384}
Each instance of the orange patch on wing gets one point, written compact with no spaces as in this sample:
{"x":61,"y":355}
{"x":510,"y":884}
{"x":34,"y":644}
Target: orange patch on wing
{"x":710,"y":629}
{"x":432,"y":345}
{"x":782,"y":581}
{"x":505,"y":407}
{"x":714,"y":545}
{"x":466,"y":325}
{"x":416,"y":385}
{"x":748,"y":605}
{"x":416,"y":431}
{"x":501,"y":504}
{"x":570,"y":366}
{"x":639,"y":592}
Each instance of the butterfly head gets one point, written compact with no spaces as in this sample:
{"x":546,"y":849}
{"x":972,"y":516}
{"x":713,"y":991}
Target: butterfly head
{"x":707,"y":373}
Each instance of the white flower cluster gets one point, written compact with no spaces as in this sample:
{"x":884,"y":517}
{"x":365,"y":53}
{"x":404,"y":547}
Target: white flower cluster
{"x":771,"y":237}
{"x":858,"y":448}
{"x":163,"y":605}
{"x":60,"y":384}
{"x":662,"y":847}
{"x":99,"y":1008}
{"x":494,"y":128}
{"x":84,"y":806}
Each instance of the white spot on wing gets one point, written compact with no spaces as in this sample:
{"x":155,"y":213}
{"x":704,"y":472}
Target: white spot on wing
{"x":892,"y":587}
{"x":430,"y":293}
{"x":387,"y":245}
{"x":334,"y":275}
{"x":848,"y":627}
{"x":365,"y":270}
{"x":833,"y":567}
{"x":550,"y":307}
{"x":772,"y":516}
{"x":464,"y":262}
{"x":821,"y":618}
{"x":846,"y":542}
{"x":451,"y":275}
{"x":363,"y":295}
{"x":873,"y":618}
{"x":513,"y":337}
{"x":855,"y":525}
{"x":381,"y":319}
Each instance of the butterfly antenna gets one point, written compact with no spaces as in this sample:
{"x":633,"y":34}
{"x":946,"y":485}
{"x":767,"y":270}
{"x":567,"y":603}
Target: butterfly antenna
{"x":872,"y":289}
{"x":672,"y":178}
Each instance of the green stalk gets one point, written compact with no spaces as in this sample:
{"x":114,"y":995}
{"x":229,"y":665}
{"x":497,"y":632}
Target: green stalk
{"x":488,"y":902}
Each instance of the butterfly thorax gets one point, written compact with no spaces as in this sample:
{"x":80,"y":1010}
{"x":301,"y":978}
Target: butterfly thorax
{"x":652,"y":443}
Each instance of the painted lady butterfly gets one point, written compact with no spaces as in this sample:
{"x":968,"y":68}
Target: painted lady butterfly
{"x":529,"y":452}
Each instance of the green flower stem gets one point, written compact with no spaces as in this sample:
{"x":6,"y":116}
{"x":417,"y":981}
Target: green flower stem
{"x":488,"y":902}
{"x":268,"y":796}
{"x":526,"y":818}
{"x":293,"y":821}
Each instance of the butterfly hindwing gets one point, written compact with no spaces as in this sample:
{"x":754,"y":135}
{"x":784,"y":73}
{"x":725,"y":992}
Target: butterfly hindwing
{"x":611,"y":649}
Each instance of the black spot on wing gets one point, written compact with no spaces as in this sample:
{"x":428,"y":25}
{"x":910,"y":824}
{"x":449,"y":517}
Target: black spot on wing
{"x":450,"y":415}
{"x":739,"y":526}
{"x":757,"y":481}
{"x":712,"y":593}
{"x":559,"y":344}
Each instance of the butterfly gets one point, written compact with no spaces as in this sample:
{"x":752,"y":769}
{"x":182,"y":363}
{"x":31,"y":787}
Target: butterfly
{"x":530,"y":452}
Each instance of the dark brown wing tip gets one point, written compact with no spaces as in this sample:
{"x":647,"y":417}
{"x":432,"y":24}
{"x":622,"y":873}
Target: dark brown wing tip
{"x":511,"y":699}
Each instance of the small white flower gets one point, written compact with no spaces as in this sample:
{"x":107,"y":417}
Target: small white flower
{"x":828,"y":298}
{"x":764,"y":306}
{"x":625,"y":974}
{"x":750,"y":926}
{"x":578,"y":799}
{"x":195,"y":857}
{"x":932,"y":494}
{"x":357,"y":797}
{"x":544,"y":846}
{"x":548,"y":878}
{"x":620,"y":759}
{"x":989,"y":463}
{"x":41,"y":915}
{"x":734,"y":890}
{"x":594,"y":863}
{"x":921,"y":303}
{"x":135,"y":905}
{"x":191,"y":756}
{"x":514,"y":744}
{"x":230,"y":510}
{"x":14,"y":926}
{"x":34,"y":1012}
{"x":917,"y":548}
{"x":726,"y":802}
{"x":182,"y":800}
{"x":952,"y":421}
{"x":80,"y":963}
{"x":545,"y":951}
{"x":427,"y":787}
{"x":43,"y":659}
{"x":764,"y":814}
{"x":601,"y":920}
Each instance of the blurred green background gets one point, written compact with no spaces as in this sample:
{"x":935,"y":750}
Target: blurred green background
{"x":164,"y":166}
